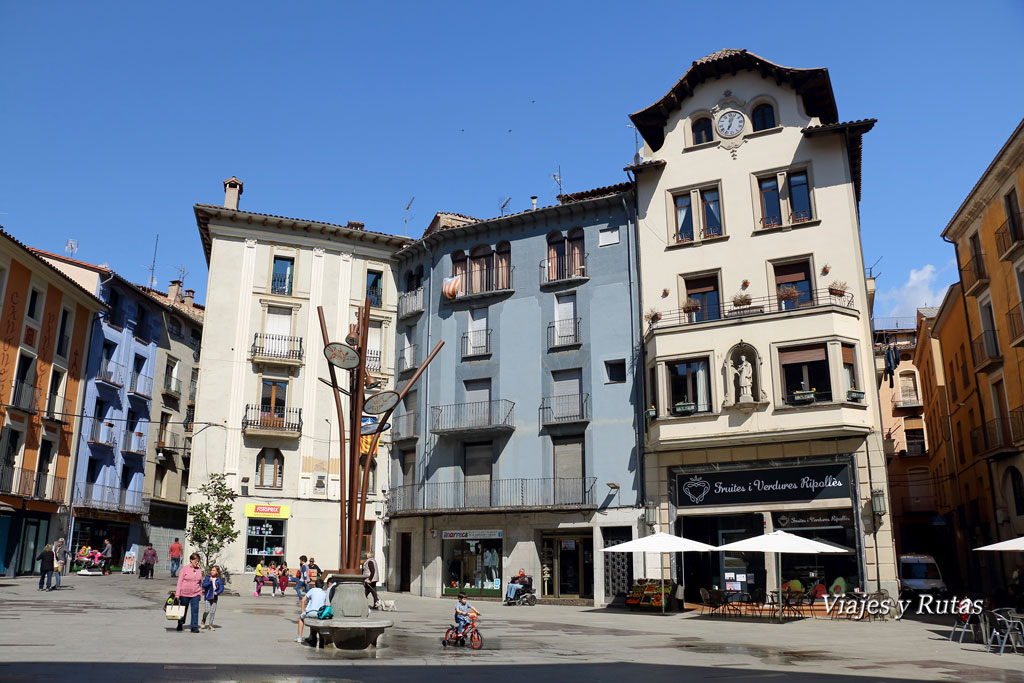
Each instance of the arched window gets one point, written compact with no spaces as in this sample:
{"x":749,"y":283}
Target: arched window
{"x":702,"y":131}
{"x":503,"y":266}
{"x":763,"y":117}
{"x":481,"y":269}
{"x":1017,"y":486}
{"x":269,"y":469}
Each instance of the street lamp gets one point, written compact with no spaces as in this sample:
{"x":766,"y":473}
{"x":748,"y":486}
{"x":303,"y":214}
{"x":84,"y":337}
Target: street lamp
{"x":878,"y":505}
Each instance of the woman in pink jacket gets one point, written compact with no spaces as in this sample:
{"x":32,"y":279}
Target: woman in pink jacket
{"x":189,"y":590}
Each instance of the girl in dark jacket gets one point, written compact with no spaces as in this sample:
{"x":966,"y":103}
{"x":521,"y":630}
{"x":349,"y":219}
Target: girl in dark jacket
{"x":213,"y":586}
{"x":46,"y":563}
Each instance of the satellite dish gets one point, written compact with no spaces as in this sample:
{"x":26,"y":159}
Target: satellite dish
{"x":342,"y":356}
{"x":371,"y":429}
{"x":381,"y":403}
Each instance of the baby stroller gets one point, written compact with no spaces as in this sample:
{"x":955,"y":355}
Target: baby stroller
{"x":527,"y":595}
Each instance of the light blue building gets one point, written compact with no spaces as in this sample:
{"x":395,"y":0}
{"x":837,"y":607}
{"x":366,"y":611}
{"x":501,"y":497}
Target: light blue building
{"x":109,"y":499}
{"x":518,"y":447}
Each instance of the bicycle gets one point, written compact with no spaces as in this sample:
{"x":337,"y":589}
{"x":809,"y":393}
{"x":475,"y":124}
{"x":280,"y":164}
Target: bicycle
{"x":470,"y":632}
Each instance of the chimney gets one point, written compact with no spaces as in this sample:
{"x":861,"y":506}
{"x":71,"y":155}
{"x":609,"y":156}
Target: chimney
{"x":533,"y":200}
{"x":174,"y":291}
{"x":190,"y":296}
{"x":232,"y":193}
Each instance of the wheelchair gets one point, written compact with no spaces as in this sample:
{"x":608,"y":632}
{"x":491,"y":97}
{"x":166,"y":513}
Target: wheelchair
{"x":527,"y":595}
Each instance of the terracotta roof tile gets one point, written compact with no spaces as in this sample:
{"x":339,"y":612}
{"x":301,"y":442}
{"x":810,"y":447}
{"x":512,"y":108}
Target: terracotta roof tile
{"x":604,"y":191}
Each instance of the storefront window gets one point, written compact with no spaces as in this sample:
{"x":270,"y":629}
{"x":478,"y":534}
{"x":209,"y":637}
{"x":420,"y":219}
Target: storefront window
{"x":472,"y":561}
{"x":818,"y":574}
{"x":264,"y":541}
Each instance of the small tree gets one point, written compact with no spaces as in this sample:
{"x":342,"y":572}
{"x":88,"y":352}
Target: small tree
{"x":211,"y":524}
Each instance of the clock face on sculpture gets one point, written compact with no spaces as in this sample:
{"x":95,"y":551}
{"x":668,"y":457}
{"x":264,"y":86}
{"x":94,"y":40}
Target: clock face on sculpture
{"x":341,"y":355}
{"x":730,"y":124}
{"x":381,"y":403}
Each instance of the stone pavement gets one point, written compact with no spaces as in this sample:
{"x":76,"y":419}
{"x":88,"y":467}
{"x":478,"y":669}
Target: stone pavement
{"x":113,"y":629}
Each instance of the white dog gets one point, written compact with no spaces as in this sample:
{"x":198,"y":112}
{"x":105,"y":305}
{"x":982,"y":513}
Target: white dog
{"x":388,"y":606}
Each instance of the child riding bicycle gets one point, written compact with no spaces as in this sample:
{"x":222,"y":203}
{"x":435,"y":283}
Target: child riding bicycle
{"x":462,"y":611}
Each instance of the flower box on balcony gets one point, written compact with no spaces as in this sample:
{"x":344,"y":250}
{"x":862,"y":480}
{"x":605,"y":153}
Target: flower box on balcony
{"x":691,"y":306}
{"x":741,"y":300}
{"x":854,"y":395}
{"x":804,"y":396}
{"x":838,"y":288}
{"x":684,"y":408}
{"x":788,"y":293}
{"x":651,"y":413}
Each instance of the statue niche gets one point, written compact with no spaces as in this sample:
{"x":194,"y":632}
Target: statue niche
{"x":744,"y":374}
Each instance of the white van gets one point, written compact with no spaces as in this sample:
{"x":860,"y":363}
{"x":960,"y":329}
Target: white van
{"x":920,"y":574}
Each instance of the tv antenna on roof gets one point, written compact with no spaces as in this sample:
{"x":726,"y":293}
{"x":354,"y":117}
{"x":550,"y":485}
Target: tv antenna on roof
{"x":558,"y":179}
{"x":181,"y":272}
{"x":152,"y":268}
{"x":71,"y":247}
{"x":405,"y":219}
{"x":504,"y":204}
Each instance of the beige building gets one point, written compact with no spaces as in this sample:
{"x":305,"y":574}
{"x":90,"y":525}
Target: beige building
{"x":757,"y":347}
{"x":262,"y":416}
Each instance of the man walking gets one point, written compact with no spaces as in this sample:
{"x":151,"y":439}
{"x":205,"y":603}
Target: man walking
{"x":108,"y":555}
{"x":174,"y":555}
{"x":148,"y":563}
{"x":60,"y":554}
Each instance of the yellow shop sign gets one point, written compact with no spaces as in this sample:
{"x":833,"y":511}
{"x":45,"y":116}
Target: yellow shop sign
{"x":267,"y":511}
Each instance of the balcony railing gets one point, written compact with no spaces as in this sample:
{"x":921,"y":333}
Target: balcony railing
{"x":375,"y":294}
{"x":102,"y":433}
{"x":1010,"y":237}
{"x":276,"y":347}
{"x":112,"y":498}
{"x":907,"y":398}
{"x":568,"y":268}
{"x":110,"y":373}
{"x":58,"y":409}
{"x":1015,"y":323}
{"x":169,"y":440}
{"x":754,"y":306}
{"x":476,"y":343}
{"x":27,"y":483}
{"x":565,"y":409}
{"x":919,"y":503}
{"x":564,"y":333}
{"x":487,"y":494}
{"x":281,"y":283}
{"x":986,"y":350}
{"x":265,"y":418}
{"x":140,"y":385}
{"x":189,"y":421}
{"x":407,"y":359}
{"x":172,"y":386}
{"x":974,"y":275}
{"x":193,"y":387}
{"x":133,"y":442}
{"x":410,"y":303}
{"x":478,"y":416}
{"x":373,"y":360}
{"x":405,"y":426}
{"x":476,"y":282}
{"x":996,"y":435}
{"x":24,"y":396}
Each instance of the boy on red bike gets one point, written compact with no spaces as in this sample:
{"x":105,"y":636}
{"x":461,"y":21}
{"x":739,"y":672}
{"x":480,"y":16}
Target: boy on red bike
{"x":462,"y":611}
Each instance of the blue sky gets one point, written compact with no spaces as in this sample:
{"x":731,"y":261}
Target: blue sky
{"x":117,"y":117}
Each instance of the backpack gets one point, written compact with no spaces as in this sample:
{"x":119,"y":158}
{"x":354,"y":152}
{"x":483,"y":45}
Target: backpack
{"x":325,"y":612}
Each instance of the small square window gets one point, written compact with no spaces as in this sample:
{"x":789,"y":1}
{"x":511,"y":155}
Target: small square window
{"x":607,"y":237}
{"x":616,"y":371}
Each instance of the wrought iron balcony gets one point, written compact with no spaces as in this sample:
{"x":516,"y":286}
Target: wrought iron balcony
{"x":172,"y":386}
{"x":58,"y":409}
{"x":111,"y":498}
{"x":407,"y":359}
{"x":974,"y":275}
{"x":190,"y":417}
{"x":375,"y":293}
{"x":133,"y":442}
{"x":169,"y":440}
{"x":745,"y":307}
{"x":404,"y":427}
{"x":564,"y":269}
{"x":492,"y":494}
{"x":102,"y":433}
{"x":914,"y":448}
{"x":373,"y":363}
{"x":410,"y":303}
{"x":487,"y":281}
{"x":564,"y":333}
{"x":193,"y":387}
{"x":27,"y":483}
{"x":1010,"y":237}
{"x":986,"y":350}
{"x":140,"y":386}
{"x":1015,"y":323}
{"x":281,"y":283}
{"x":24,"y":397}
{"x":276,"y":349}
{"x":565,"y":409}
{"x":476,"y":343}
{"x":995,"y":435}
{"x":272,"y":421}
{"x":478,"y":417}
{"x":111,"y":374}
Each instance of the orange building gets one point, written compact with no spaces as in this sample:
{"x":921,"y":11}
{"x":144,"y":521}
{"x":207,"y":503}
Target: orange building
{"x":45,"y":322}
{"x":988,"y":232}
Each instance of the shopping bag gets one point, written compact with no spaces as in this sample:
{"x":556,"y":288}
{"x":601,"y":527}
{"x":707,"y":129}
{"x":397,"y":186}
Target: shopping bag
{"x":174,"y":610}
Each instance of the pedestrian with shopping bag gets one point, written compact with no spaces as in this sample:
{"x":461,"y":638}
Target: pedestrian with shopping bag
{"x":189,"y":590}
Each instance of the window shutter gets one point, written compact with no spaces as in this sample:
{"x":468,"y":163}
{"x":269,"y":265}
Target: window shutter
{"x":847,"y":354}
{"x":801,"y":354}
{"x":791,"y":272}
{"x":699,"y":285}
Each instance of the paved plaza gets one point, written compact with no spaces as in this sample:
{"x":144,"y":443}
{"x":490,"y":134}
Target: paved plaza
{"x":113,"y":629}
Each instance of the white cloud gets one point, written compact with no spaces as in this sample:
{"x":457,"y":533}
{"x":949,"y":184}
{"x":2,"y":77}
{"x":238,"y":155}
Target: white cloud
{"x":919,"y":290}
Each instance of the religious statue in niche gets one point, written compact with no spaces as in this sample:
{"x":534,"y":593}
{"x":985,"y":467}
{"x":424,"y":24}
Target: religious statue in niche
{"x":743,"y":370}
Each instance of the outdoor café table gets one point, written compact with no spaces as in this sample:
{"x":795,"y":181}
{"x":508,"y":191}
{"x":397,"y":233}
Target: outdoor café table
{"x":840,"y":598}
{"x":790,"y":600}
{"x":729,"y":601}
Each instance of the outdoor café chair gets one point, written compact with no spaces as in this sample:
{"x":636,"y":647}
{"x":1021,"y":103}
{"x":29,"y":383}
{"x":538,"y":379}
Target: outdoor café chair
{"x":999,"y":629}
{"x":965,"y":623}
{"x":712,"y":603}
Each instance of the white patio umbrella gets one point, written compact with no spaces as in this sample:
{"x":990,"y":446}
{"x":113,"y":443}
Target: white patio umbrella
{"x":660,"y":543}
{"x":1012,"y":544}
{"x":779,"y":542}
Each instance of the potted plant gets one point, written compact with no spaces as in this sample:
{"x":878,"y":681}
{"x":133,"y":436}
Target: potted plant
{"x":804,"y":395}
{"x":651,"y":413}
{"x":691,"y":305}
{"x":788,"y":292}
{"x":854,"y":394}
{"x":684,"y":408}
{"x":741,"y":299}
{"x":825,"y":269}
{"x":838,"y":288}
{"x":653,"y":316}
{"x":745,"y":284}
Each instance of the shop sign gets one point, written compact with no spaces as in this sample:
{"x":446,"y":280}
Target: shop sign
{"x":812,"y":519}
{"x":471,"y":534}
{"x":267,"y":511}
{"x":777,"y":485}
